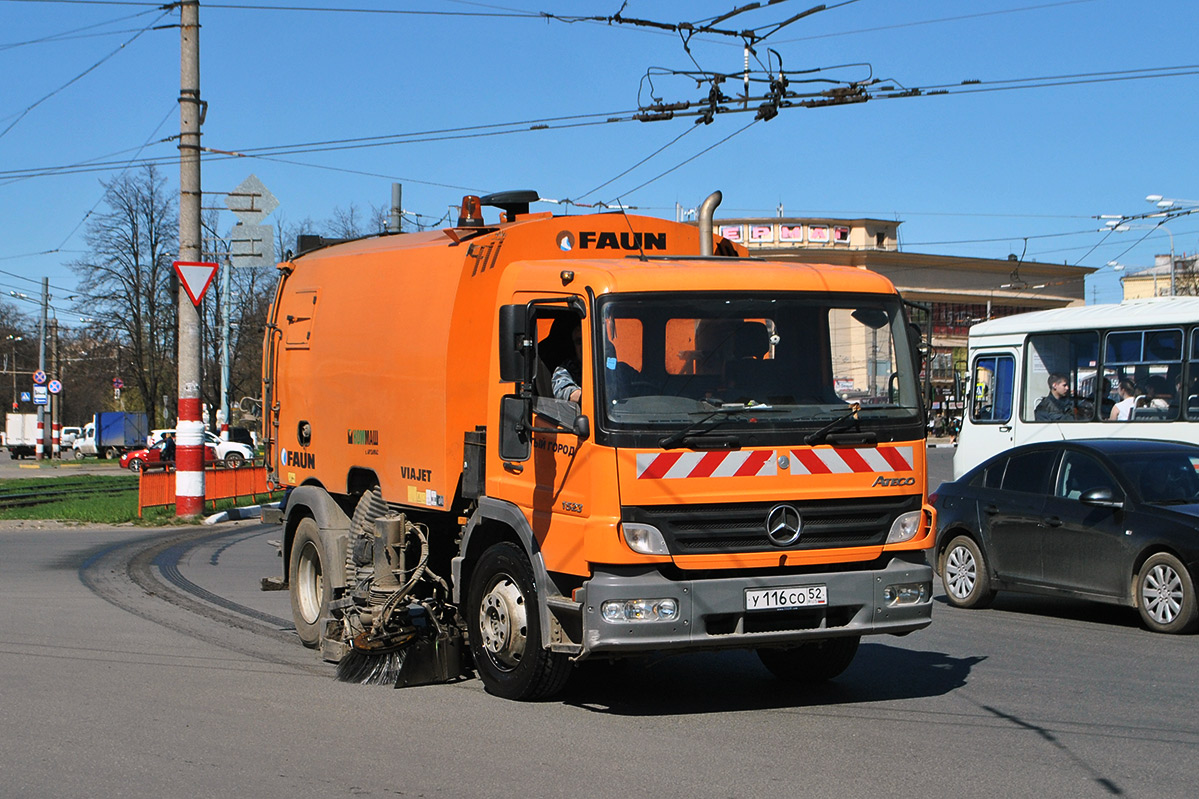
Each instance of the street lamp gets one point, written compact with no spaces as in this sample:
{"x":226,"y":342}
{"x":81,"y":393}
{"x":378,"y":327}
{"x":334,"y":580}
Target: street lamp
{"x":14,"y":340}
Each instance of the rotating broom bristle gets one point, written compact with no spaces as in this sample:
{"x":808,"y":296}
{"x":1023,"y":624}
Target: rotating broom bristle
{"x":371,"y":668}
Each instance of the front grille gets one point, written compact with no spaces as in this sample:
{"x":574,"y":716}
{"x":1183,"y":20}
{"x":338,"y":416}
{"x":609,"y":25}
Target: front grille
{"x":741,"y":527}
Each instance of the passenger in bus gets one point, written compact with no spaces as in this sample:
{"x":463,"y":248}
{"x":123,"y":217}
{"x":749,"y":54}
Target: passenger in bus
{"x":1156,"y":392}
{"x":1122,"y":410}
{"x":1058,"y":404}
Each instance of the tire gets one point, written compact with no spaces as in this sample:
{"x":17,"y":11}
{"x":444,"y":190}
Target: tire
{"x":505,"y":629}
{"x":135,"y":465}
{"x":1165,"y":595}
{"x":810,"y":663}
{"x":310,"y":590}
{"x":234,"y":460}
{"x":79,"y":455}
{"x":965,"y":575}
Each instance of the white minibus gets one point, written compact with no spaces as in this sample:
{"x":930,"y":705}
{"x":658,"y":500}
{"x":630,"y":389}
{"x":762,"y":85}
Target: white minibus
{"x":1130,"y":370}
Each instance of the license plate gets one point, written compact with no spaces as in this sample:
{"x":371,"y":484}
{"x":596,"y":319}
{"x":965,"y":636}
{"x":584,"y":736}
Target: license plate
{"x":779,"y":598}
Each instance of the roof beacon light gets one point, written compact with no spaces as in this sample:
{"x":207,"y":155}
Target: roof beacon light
{"x":471,"y":213}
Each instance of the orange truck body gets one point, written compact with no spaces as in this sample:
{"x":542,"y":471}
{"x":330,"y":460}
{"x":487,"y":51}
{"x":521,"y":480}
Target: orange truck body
{"x":382,"y":375}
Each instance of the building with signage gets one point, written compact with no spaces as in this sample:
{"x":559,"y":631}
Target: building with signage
{"x":952,"y":292}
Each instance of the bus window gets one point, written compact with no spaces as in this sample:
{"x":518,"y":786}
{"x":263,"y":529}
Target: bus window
{"x":1152,"y":359}
{"x":994,"y":384}
{"x":1052,"y":357}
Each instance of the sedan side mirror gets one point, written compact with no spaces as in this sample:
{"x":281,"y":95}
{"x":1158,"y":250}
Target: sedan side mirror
{"x":1101,"y":497}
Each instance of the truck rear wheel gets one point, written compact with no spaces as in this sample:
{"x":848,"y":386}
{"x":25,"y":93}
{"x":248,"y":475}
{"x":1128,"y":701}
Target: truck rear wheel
{"x":310,"y":591}
{"x":505,"y":629}
{"x":814,"y":662}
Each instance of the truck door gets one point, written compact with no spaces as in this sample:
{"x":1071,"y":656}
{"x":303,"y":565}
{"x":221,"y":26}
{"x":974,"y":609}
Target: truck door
{"x":552,"y":486}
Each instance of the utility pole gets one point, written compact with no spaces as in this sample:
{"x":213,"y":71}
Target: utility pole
{"x":55,"y":400}
{"x":40,"y":449}
{"x":189,"y":431}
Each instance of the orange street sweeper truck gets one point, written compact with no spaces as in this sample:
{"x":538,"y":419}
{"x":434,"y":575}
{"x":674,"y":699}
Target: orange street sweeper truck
{"x":513,"y":445}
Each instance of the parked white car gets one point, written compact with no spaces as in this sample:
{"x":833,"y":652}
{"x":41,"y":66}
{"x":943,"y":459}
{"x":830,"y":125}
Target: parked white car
{"x":233,"y":453}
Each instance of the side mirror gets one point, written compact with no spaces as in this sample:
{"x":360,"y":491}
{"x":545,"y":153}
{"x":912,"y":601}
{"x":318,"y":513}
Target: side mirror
{"x":1101,"y":497}
{"x":516,"y":428}
{"x":515,"y":346}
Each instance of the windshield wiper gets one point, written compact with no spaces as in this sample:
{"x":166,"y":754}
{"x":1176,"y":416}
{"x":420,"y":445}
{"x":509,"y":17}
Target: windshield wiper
{"x":819,"y":435}
{"x":698,"y":428}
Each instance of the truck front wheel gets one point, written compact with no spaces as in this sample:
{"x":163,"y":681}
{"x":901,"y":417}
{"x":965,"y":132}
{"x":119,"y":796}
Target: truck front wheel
{"x":505,"y":629}
{"x":310,"y":590}
{"x":814,"y":662}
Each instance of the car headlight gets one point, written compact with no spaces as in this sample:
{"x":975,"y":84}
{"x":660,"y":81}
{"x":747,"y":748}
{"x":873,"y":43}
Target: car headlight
{"x":905,"y":527}
{"x":644,"y":538}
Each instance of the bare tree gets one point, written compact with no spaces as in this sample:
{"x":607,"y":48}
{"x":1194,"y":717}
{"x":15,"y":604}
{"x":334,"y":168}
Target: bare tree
{"x":127,"y":277}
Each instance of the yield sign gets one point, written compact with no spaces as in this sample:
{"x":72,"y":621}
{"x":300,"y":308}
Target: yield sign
{"x":195,"y":278}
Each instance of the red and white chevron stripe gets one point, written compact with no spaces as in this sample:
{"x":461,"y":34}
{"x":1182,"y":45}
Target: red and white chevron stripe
{"x":864,"y":460}
{"x":763,"y":463}
{"x":675,"y":465}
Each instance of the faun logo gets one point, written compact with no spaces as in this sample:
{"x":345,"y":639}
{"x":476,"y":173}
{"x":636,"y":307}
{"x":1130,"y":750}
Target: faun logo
{"x":591,"y":240}
{"x":364,"y":437}
{"x":893,"y":481}
{"x":297,"y":460}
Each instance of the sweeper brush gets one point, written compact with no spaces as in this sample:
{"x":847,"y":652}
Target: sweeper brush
{"x":396,"y":623}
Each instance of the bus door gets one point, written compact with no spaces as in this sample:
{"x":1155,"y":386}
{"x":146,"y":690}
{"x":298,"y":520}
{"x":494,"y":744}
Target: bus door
{"x":989,"y":418}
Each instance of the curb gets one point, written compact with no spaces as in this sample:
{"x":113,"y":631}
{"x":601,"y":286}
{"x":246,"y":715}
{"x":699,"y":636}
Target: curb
{"x":237,"y":514}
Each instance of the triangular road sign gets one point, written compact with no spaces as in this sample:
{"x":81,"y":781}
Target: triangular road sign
{"x":195,"y":278}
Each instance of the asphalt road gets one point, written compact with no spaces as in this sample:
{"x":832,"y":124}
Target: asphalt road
{"x":148,"y":663}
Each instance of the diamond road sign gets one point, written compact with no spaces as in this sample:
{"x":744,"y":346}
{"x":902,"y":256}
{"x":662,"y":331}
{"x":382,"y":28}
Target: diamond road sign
{"x":251,"y":201}
{"x":252,"y":245}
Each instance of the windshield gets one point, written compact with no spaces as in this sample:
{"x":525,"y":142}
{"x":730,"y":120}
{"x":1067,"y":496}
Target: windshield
{"x":1164,"y":478}
{"x":734,"y":362}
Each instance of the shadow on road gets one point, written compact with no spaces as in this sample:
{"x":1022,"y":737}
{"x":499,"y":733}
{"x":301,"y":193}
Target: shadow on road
{"x":735,"y":681}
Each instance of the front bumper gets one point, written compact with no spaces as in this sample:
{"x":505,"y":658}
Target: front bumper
{"x":712,"y":612}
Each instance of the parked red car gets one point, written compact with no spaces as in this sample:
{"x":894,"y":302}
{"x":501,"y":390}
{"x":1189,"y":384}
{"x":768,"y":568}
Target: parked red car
{"x":134,"y":460}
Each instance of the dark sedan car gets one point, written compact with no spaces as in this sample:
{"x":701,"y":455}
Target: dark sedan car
{"x":1112,"y":520}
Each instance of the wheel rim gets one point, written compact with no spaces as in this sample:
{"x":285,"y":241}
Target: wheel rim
{"x":961,"y":572}
{"x":135,"y":465}
{"x":308,"y":579}
{"x":503,"y":623}
{"x":1162,"y":594}
{"x":233,"y":460}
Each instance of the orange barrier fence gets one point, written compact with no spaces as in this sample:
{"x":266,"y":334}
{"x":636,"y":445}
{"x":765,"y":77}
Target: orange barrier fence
{"x":156,"y":487}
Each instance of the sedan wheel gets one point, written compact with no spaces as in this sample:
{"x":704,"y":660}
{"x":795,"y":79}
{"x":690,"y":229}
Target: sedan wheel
{"x":1165,"y":595}
{"x":964,"y":573}
{"x":135,"y":464}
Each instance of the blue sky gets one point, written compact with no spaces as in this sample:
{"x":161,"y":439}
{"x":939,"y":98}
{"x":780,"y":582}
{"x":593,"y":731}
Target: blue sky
{"x":977,"y":172}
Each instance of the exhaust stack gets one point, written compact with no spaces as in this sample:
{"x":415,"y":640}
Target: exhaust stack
{"x":706,"y":212}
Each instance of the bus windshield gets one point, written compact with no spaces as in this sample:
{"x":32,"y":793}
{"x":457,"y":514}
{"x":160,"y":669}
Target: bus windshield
{"x":777,"y":362}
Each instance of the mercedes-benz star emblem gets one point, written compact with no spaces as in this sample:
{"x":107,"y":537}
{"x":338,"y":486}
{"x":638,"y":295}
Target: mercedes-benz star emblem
{"x":783,"y":525}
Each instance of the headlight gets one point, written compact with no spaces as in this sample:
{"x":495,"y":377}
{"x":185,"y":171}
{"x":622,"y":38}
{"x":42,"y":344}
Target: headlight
{"x":619,"y":611}
{"x":907,"y":593}
{"x":644,"y":538}
{"x":905,"y":527}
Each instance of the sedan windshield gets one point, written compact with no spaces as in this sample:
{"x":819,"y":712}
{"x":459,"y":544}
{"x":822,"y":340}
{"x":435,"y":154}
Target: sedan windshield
{"x":700,"y":362}
{"x":1164,"y":478}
